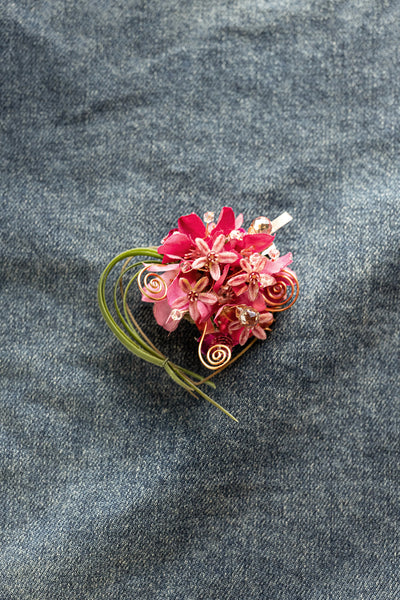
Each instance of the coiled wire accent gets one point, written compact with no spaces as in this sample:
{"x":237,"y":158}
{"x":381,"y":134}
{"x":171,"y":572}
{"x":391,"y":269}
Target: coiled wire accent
{"x":217,"y":356}
{"x":283,"y":294}
{"x":153,"y":286}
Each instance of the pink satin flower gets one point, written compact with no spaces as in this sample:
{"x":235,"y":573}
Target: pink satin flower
{"x":193,"y":299}
{"x":211,"y":258}
{"x":253,"y":274}
{"x":257,"y":322}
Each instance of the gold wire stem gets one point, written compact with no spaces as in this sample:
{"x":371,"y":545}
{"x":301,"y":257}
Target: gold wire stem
{"x":142,"y":333}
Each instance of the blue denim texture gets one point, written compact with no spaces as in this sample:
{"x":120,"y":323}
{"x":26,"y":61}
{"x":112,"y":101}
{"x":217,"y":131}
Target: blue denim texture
{"x":116,"y":118}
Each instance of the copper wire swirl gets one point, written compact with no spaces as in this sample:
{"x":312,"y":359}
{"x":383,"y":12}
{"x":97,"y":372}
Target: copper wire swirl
{"x":217,"y":356}
{"x":283,"y":294}
{"x":153,"y":286}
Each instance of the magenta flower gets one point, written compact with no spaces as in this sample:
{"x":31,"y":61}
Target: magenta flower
{"x":250,"y":322}
{"x":253,"y":275}
{"x":193,"y":299}
{"x":211,"y":258}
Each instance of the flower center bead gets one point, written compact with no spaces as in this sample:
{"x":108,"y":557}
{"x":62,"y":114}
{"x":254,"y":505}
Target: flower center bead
{"x":254,"y":277}
{"x":192,"y":296}
{"x":212,"y":257}
{"x":248,"y":317}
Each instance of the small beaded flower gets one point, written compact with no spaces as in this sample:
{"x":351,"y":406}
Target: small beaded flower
{"x":225,"y":280}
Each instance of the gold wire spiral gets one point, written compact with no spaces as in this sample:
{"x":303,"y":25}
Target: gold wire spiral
{"x":153,"y":286}
{"x":217,"y":356}
{"x":283,"y":294}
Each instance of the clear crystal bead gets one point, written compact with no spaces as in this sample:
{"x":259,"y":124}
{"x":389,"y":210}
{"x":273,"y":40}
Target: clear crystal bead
{"x":261,"y":225}
{"x":248,"y":317}
{"x":176,"y":315}
{"x":208,"y":217}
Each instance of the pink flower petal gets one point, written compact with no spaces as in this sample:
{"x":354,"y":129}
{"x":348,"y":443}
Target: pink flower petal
{"x":257,"y":242}
{"x":162,"y":311}
{"x":192,"y":225}
{"x":266,"y":319}
{"x":171,"y":324}
{"x":201,"y":284}
{"x":245,"y":265}
{"x":226,"y":220}
{"x":259,"y":303}
{"x":199,"y":263}
{"x":274,"y":266}
{"x":215,"y":271}
{"x":177,"y":244}
{"x":194,"y":311}
{"x":244,"y":336}
{"x":258,"y":261}
{"x":238,"y":279}
{"x":175,"y":291}
{"x":180,"y":303}
{"x":266,"y":280}
{"x":239,"y":221}
{"x":221,"y":280}
{"x":204,"y":311}
{"x":241,"y":290}
{"x":185,"y":285}
{"x":259,"y":333}
{"x":227,"y":257}
{"x":202,"y":246}
{"x":253,"y":290}
{"x":208,"y":298}
{"x":219,"y":243}
{"x":155,"y":268}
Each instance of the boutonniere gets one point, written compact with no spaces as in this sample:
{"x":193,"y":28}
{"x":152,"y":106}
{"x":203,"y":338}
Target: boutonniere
{"x":227,"y":280}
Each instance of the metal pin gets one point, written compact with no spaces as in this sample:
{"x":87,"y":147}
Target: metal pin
{"x":280,"y":221}
{"x":277,"y":223}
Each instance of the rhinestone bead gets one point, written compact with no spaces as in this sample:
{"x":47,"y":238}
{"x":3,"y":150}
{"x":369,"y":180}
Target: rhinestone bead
{"x":273,"y":253}
{"x":176,"y":315}
{"x":261,"y":225}
{"x":248,"y":317}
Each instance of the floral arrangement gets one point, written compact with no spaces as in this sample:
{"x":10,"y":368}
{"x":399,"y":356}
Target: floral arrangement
{"x":225,"y":279}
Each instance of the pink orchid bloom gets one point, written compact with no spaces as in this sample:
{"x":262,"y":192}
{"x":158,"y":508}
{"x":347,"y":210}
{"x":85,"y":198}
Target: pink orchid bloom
{"x":253,"y":274}
{"x":211,"y":258}
{"x":250,"y":322}
{"x":193,"y":298}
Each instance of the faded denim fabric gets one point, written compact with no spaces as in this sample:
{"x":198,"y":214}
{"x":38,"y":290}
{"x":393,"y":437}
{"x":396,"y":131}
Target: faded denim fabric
{"x":117,"y":118}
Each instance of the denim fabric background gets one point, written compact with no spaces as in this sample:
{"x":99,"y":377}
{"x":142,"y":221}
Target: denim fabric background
{"x":116,"y":118}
